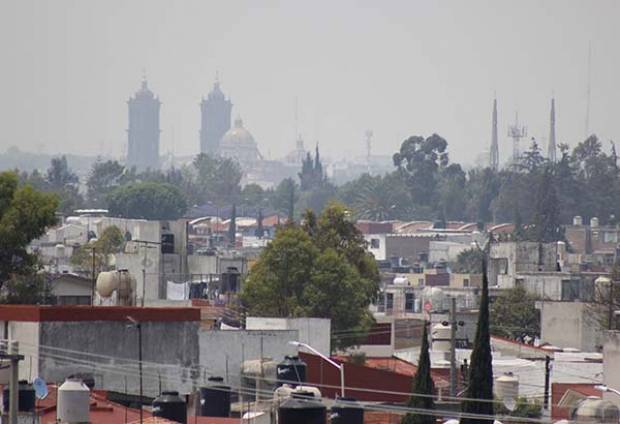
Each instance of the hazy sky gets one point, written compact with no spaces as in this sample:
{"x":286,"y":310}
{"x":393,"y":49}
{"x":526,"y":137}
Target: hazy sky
{"x":397,"y":67}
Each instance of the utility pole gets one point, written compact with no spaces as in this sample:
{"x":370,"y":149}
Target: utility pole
{"x":138,"y":325}
{"x":92,"y":298}
{"x":453,"y":325}
{"x":547,"y":380}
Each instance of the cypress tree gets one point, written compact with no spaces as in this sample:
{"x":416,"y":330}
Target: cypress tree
{"x":232,"y":226}
{"x":260,"y":231}
{"x":423,"y":385}
{"x":481,"y":371}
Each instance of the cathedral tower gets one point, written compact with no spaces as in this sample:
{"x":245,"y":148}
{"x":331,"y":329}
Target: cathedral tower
{"x":143,"y":132}
{"x":215,"y":120}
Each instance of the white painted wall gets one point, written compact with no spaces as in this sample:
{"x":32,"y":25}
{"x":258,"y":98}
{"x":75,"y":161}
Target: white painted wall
{"x":314,"y":331}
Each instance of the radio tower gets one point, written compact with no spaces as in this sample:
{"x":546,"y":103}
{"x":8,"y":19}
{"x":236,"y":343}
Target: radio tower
{"x":494,"y":153}
{"x":369,"y":135}
{"x":516,"y":133}
{"x":551,"y":154}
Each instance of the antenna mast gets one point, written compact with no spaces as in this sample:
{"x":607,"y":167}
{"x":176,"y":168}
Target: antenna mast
{"x":516,"y":133}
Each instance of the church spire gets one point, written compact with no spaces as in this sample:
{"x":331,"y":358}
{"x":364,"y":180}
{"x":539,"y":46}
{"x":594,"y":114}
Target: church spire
{"x":494,"y":152}
{"x":551,"y":153}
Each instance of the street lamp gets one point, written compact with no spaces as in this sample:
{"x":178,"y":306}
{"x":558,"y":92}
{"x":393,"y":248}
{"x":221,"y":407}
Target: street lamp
{"x":604,"y":388}
{"x":138,"y":325}
{"x":328,"y":359}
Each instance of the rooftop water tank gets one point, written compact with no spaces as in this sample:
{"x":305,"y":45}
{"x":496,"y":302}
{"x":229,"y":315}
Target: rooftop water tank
{"x":507,"y":390}
{"x":577,"y":220}
{"x":594,"y":222}
{"x":215,"y":399}
{"x":171,"y":406}
{"x":441,"y":337}
{"x":292,"y":370}
{"x":302,"y":409}
{"x":73,"y":403}
{"x":595,"y":410}
{"x":120,"y":281}
{"x":347,"y":411}
{"x":25,"y":396}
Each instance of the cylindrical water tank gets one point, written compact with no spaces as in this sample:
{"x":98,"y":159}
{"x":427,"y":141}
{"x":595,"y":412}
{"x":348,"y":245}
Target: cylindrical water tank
{"x":25,"y":396}
{"x":602,"y":286}
{"x":215,"y":399}
{"x":292,"y":370}
{"x":171,"y":406}
{"x":73,"y":404}
{"x":577,"y":220}
{"x":441,"y":337}
{"x":594,"y":222}
{"x":60,"y":250}
{"x":595,"y":410}
{"x":507,"y":389}
{"x":301,"y":410}
{"x":347,"y":411}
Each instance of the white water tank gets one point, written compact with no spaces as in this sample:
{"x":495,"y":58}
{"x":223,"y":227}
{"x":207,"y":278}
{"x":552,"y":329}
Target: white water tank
{"x":577,"y":220}
{"x":594,"y":222}
{"x":441,"y":337}
{"x":507,"y":390}
{"x":73,"y":404}
{"x":602,"y":286}
{"x":120,"y":281}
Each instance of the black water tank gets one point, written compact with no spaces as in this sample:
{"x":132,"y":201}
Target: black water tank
{"x":215,"y":399}
{"x":291,"y":371}
{"x":301,"y":410}
{"x":171,"y":406}
{"x":347,"y":411}
{"x":26,"y":397}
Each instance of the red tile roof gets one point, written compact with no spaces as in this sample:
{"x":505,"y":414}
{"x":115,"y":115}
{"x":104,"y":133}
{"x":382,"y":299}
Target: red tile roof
{"x":558,"y":390}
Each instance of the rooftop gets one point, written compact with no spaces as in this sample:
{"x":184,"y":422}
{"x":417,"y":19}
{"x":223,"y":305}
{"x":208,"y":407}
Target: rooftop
{"x":38,"y":313}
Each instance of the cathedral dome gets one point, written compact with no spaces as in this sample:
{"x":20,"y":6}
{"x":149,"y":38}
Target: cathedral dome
{"x":238,"y":143}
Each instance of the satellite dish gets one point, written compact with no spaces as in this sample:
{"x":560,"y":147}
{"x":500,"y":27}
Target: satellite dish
{"x":40,"y":388}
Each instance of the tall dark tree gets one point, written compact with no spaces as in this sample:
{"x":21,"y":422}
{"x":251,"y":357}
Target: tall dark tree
{"x":479,"y":393}
{"x":423,"y":388}
{"x":232,"y":226}
{"x":64,"y":182}
{"x":260,"y":231}
{"x":311,"y":176}
{"x":546,"y":223}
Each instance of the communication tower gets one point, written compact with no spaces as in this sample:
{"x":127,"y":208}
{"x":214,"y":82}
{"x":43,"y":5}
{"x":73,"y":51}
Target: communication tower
{"x":516,"y":132}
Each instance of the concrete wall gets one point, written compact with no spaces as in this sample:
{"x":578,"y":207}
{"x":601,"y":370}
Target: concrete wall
{"x":611,"y":359}
{"x":569,"y":324}
{"x":378,"y":252}
{"x":174,"y":344}
{"x":27,"y":335}
{"x":314,"y":331}
{"x":222,"y":352}
{"x":406,"y":246}
{"x":446,"y":250}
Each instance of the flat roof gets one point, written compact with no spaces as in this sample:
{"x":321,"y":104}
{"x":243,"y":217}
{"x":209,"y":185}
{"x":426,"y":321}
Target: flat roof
{"x":39,"y":313}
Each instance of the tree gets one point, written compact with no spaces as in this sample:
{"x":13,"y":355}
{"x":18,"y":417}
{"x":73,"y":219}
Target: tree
{"x":217,"y":179}
{"x":420,"y":160}
{"x":319,"y":269}
{"x":423,"y":387}
{"x":29,"y":289}
{"x":469,"y":261}
{"x":25,"y":213}
{"x":110,"y":242}
{"x":378,"y":197}
{"x":514,"y":314}
{"x":260,"y":231}
{"x":65,"y":183}
{"x":452,"y":194}
{"x":285,"y":197}
{"x":546,"y":224}
{"x":147,"y":200}
{"x":232,"y":226}
{"x":103,"y":178}
{"x":311,"y":176}
{"x":479,"y":393}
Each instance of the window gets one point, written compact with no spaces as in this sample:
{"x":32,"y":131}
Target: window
{"x":570,"y":290}
{"x":465,"y":282}
{"x":409,"y":301}
{"x":375,"y":243}
{"x":389,"y":301}
{"x":610,"y":237}
{"x":381,"y":302}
